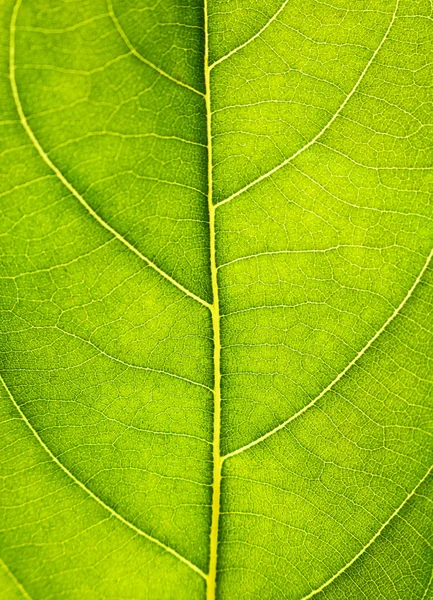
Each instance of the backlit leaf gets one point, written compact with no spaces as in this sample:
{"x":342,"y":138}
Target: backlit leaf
{"x":216,"y":299}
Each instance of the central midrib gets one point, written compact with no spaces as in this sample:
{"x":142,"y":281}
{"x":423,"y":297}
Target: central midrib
{"x":215,"y":312}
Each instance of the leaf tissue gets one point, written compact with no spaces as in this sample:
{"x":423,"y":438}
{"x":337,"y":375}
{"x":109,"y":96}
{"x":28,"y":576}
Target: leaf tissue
{"x":216,"y":300}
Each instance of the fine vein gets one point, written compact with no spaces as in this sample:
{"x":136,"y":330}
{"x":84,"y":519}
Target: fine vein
{"x":429,"y":584}
{"x":62,"y":178}
{"x":81,"y":485}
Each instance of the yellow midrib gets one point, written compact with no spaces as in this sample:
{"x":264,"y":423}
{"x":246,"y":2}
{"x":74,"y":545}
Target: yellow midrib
{"x":217,"y":463}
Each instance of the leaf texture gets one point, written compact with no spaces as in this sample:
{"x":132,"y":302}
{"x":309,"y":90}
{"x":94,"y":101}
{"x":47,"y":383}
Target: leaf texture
{"x":216,"y":299}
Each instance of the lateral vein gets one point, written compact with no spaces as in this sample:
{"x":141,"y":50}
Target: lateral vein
{"x":81,"y":485}
{"x":150,"y":64}
{"x":372,"y":540}
{"x":62,"y":178}
{"x":17,"y":583}
{"x":252,"y":38}
{"x":342,"y":373}
{"x":326,"y":127}
{"x":131,"y":365}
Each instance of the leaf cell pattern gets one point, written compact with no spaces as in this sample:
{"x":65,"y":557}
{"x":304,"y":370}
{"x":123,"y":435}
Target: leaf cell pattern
{"x":216,"y":299}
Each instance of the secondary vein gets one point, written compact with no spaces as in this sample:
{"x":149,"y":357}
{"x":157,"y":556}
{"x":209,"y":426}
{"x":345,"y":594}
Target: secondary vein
{"x":89,"y":492}
{"x":328,"y":124}
{"x":252,"y":38}
{"x":62,"y":178}
{"x":372,"y":540}
{"x":12,"y":577}
{"x":342,"y":373}
{"x":150,"y":64}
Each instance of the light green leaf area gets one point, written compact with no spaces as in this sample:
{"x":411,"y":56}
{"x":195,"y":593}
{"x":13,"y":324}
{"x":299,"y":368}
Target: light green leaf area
{"x":216,"y":300}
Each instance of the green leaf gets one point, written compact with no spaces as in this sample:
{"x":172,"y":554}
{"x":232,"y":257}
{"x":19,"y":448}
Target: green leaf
{"x":216,"y":300}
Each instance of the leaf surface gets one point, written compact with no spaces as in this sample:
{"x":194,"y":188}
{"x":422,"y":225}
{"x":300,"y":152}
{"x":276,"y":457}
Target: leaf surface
{"x":216,"y":299}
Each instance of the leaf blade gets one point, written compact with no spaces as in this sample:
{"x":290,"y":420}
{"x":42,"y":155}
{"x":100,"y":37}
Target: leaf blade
{"x":234,"y":395}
